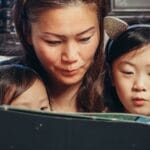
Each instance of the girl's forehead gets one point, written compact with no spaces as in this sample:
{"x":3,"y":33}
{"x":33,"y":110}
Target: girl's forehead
{"x":140,"y":52}
{"x":145,"y":48}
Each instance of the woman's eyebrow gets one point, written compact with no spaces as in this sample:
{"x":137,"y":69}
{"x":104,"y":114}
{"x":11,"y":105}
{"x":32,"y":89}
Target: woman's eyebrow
{"x":54,"y":34}
{"x":63,"y":36}
{"x":87,"y":30}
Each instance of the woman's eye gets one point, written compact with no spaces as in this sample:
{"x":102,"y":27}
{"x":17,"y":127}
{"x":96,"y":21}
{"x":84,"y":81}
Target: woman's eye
{"x":54,"y":43}
{"x":85,"y":39}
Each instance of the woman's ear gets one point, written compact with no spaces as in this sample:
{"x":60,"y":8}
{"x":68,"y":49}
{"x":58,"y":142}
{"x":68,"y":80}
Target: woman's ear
{"x":29,"y":39}
{"x":27,"y":33}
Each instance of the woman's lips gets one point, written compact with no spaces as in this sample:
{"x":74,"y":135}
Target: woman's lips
{"x":73,"y":67}
{"x":70,"y":72}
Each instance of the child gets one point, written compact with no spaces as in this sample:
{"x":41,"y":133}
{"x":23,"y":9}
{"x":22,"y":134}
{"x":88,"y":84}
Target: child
{"x":128,"y":67}
{"x":22,"y":87}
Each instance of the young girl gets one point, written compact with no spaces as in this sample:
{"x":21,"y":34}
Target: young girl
{"x":63,"y":41}
{"x":22,"y":87}
{"x":127,"y":59}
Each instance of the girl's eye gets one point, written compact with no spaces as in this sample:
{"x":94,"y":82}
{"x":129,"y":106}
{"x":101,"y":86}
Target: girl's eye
{"x":128,"y":72}
{"x":85,"y":39}
{"x":44,"y":108}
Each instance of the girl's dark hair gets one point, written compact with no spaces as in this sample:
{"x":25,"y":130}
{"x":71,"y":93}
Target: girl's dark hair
{"x":14,"y":80}
{"x":133,"y":38}
{"x":27,"y":11}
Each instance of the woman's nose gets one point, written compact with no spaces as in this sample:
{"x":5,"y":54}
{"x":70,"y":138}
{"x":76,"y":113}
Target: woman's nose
{"x":70,"y":52}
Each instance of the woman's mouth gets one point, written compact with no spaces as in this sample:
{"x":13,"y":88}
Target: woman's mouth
{"x":70,"y":72}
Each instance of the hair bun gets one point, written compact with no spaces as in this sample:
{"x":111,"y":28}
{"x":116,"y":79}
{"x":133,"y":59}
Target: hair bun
{"x":114,"y":26}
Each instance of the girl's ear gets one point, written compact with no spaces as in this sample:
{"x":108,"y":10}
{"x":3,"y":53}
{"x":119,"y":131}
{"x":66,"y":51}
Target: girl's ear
{"x":109,"y":74}
{"x":111,"y":77}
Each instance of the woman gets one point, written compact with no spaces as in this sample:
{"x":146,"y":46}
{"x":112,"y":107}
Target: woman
{"x":63,"y":42}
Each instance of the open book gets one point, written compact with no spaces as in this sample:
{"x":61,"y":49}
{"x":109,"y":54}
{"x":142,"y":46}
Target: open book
{"x":22,"y":129}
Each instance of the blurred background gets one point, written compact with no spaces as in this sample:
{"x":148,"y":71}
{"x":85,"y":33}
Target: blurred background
{"x":132,"y":11}
{"x":8,"y":37}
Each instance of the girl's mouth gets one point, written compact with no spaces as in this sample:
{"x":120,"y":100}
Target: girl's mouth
{"x":138,"y":101}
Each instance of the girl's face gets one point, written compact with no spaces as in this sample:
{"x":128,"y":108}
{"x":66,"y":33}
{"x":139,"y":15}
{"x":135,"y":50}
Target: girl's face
{"x":131,"y":78}
{"x":65,"y":41}
{"x":34,"y":97}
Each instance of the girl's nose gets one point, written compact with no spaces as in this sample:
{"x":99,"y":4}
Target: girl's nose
{"x":139,"y":85}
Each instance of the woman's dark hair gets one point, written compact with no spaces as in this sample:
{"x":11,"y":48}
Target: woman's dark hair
{"x":133,"y":38}
{"x":14,"y":80}
{"x":27,"y":11}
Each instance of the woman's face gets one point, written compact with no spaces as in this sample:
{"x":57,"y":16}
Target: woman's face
{"x":131,"y":78}
{"x":65,"y":41}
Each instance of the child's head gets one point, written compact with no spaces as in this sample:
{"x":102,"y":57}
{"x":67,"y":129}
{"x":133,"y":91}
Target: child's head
{"x":127,"y":57}
{"x":22,"y":87}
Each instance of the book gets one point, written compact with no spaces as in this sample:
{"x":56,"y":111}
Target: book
{"x":22,"y":129}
